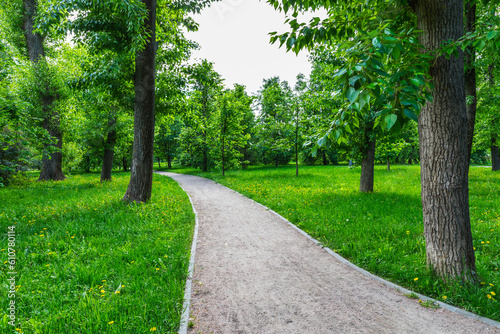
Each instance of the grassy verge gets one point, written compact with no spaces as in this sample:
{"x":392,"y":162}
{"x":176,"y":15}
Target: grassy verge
{"x":89,"y":263}
{"x":381,"y":232}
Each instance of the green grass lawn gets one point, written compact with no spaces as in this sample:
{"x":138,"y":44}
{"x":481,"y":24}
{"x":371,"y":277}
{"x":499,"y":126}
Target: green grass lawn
{"x":381,"y":232}
{"x":89,"y":263}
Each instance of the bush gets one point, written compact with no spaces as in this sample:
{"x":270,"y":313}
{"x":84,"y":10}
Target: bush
{"x":14,"y":156}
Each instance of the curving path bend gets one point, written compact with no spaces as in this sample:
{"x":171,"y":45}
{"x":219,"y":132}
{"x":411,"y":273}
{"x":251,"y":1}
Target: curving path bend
{"x":255,"y":274}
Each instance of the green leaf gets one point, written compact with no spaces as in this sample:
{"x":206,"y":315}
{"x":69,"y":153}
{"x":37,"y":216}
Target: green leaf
{"x":352,"y":80}
{"x":348,"y":129}
{"x":341,"y":72}
{"x":492,"y":34}
{"x":409,"y":113}
{"x":352,"y":94}
{"x":390,"y":120}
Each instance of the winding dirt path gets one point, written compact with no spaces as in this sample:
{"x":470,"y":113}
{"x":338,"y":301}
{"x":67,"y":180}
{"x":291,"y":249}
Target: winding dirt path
{"x":256,"y":274}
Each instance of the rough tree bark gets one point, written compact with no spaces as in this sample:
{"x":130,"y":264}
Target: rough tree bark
{"x":51,"y":162}
{"x":109,"y":150}
{"x":470,"y":73}
{"x":443,"y":148}
{"x":368,"y":168}
{"x":141,"y":178}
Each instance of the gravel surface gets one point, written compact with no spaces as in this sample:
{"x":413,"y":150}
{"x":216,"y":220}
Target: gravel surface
{"x":256,"y":274}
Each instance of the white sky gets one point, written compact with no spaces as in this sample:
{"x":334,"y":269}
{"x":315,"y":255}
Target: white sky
{"x":233,"y":34}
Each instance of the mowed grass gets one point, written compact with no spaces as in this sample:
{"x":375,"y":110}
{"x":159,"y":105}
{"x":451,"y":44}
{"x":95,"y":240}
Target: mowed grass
{"x":381,"y":232}
{"x":89,"y":263}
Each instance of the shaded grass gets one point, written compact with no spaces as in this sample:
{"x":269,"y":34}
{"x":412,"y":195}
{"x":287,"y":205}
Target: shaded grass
{"x":381,"y":232}
{"x":89,"y":263}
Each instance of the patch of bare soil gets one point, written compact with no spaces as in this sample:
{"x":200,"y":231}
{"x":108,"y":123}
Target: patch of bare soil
{"x":256,"y":274}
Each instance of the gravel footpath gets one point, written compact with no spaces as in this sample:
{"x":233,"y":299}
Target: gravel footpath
{"x":256,"y":274}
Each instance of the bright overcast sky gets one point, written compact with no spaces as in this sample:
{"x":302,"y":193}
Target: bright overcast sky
{"x":233,"y":34}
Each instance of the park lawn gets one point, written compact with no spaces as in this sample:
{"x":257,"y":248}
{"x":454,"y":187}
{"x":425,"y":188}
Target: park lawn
{"x":89,"y":263}
{"x":382,"y":231}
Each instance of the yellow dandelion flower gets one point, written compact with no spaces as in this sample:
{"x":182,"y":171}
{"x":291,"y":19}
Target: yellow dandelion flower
{"x":415,"y":279}
{"x":491,"y":284}
{"x":117,"y":291}
{"x":157,"y":268}
{"x":111,"y":322}
{"x":492,"y":293}
{"x":123,"y":286}
{"x":444,"y":297}
{"x":482,"y":242}
{"x":153,"y":329}
{"x":102,"y":291}
{"x":489,"y":296}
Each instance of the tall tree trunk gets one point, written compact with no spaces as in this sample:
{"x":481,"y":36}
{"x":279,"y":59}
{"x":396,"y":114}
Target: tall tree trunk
{"x":169,"y":161}
{"x":325,"y":161}
{"x":51,"y":162}
{"x":34,"y":41}
{"x":125,"y":164}
{"x":470,"y":73}
{"x":109,"y":150}
{"x":297,"y":143}
{"x":141,"y":178}
{"x":368,"y":168}
{"x":495,"y":158}
{"x":223,"y":158}
{"x":443,"y":148}
{"x":245,"y":158}
{"x":87,"y":163}
{"x":388,"y":164}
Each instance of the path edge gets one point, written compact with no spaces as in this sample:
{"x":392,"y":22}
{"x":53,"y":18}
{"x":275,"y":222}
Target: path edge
{"x":184,"y":323}
{"x":405,"y":291}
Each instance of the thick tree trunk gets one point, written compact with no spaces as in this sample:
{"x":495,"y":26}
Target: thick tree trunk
{"x":495,"y":158}
{"x":169,"y":161}
{"x":51,"y":163}
{"x":443,"y":148}
{"x":141,"y":178}
{"x":470,"y":73}
{"x":368,"y":168}
{"x":34,"y":41}
{"x":109,"y":150}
